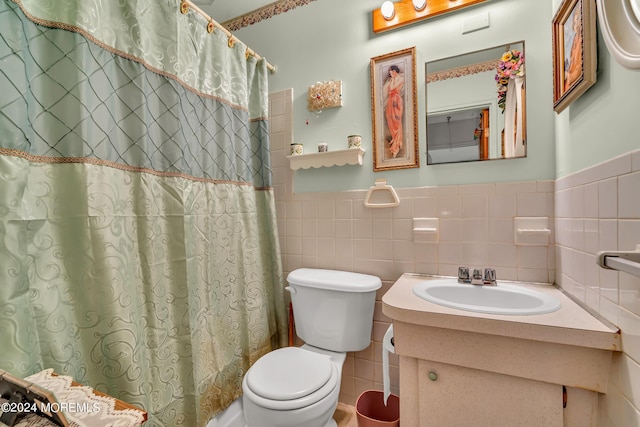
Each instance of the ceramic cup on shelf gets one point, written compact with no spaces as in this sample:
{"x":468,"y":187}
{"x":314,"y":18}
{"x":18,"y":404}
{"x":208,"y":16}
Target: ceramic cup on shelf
{"x":355,"y":141}
{"x":296,"y":149}
{"x":323,"y":147}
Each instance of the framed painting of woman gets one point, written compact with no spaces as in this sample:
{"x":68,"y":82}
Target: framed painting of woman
{"x":574,"y":51}
{"x":394,"y":110}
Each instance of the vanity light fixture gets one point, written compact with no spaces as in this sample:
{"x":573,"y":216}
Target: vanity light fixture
{"x":419,"y":4}
{"x":404,"y":12}
{"x":388,"y":10}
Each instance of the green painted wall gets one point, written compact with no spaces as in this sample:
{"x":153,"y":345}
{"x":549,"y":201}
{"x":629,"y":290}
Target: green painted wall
{"x":332,"y":39}
{"x":601,"y":124}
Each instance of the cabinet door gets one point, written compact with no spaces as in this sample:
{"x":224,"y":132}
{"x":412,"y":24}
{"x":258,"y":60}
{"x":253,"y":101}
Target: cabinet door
{"x":453,"y":396}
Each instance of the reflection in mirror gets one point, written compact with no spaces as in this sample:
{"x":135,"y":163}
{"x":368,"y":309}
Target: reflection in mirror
{"x":476,"y":106}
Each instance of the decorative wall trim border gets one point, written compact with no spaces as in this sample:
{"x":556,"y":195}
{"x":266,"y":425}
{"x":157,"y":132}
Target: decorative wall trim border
{"x":480,"y":67}
{"x":265,"y":12}
{"x":136,"y":169}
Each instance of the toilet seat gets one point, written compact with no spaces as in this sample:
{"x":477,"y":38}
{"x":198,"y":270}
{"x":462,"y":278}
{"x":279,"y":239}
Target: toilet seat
{"x":290,"y":378}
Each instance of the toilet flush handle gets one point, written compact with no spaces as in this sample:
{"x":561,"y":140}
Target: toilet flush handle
{"x":290,"y":289}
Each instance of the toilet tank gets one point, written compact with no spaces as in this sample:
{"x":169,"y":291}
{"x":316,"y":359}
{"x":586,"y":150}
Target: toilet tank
{"x":333,"y":309}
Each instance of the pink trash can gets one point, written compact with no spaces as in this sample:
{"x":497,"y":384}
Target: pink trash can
{"x":372,"y":412}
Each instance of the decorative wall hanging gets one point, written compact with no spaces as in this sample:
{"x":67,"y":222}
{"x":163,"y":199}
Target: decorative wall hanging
{"x":323,"y":95}
{"x":394,"y":110}
{"x":574,"y":51}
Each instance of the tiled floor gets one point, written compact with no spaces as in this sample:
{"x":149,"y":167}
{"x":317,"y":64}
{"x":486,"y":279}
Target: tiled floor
{"x":345,"y":416}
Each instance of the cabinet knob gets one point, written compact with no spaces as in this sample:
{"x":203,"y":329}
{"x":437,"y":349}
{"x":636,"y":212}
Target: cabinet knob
{"x":433,"y":376}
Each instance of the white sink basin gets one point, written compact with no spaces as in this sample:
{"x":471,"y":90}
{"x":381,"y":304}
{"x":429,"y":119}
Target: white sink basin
{"x":500,"y":299}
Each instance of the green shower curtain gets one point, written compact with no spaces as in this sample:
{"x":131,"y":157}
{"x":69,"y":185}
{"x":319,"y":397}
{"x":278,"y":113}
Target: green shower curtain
{"x":138,"y":240}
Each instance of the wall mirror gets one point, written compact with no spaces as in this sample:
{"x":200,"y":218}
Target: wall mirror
{"x":476,"y":106}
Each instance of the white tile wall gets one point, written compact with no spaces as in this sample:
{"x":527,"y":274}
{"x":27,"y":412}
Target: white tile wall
{"x":599,"y":209}
{"x":595,"y":209}
{"x":318,"y":225}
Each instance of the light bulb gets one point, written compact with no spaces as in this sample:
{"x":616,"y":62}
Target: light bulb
{"x":388,"y":10}
{"x":419,"y":4}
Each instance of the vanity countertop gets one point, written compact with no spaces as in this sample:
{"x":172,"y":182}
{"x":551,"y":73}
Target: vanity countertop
{"x":571,"y":324}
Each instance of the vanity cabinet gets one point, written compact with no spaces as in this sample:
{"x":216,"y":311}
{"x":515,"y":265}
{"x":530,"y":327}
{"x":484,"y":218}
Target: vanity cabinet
{"x":452,"y":396}
{"x":459,"y":368}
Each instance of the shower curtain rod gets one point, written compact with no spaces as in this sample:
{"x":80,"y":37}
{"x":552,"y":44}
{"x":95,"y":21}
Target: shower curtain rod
{"x":232,"y":38}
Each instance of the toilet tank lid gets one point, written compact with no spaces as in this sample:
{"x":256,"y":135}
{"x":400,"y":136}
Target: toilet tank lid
{"x":344,"y":281}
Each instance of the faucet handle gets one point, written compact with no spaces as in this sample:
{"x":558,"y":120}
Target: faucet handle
{"x":476,"y":277}
{"x":463,"y":274}
{"x":490,"y":276}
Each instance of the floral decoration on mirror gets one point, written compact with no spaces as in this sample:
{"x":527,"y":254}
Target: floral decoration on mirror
{"x":511,"y":65}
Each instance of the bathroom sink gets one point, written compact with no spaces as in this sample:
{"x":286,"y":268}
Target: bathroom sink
{"x":500,"y":299}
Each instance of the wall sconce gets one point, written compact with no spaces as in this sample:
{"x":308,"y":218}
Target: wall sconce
{"x":404,"y":12}
{"x":388,"y":10}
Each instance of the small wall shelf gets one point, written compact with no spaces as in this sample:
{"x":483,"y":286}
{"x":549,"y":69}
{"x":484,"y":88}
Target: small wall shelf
{"x":426,"y":229}
{"x":351,"y":156}
{"x":532,"y":231}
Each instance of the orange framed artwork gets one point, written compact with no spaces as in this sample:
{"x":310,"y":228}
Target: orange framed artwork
{"x":394,"y":110}
{"x":574,"y":51}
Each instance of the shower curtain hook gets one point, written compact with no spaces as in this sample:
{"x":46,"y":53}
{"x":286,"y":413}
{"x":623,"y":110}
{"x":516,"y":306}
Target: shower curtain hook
{"x":231,"y":41}
{"x":184,"y":7}
{"x":211,"y":27}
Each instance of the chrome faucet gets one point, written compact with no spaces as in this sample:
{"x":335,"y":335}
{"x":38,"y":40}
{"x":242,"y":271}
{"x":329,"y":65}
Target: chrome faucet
{"x":477,"y":277}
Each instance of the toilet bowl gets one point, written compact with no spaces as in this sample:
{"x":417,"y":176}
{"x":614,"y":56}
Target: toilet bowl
{"x":293,"y":386}
{"x":300,"y":386}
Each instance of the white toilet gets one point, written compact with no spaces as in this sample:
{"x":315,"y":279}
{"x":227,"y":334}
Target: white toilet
{"x":299,"y":386}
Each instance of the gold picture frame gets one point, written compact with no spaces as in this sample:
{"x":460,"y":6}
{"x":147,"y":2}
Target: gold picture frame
{"x":394,"y":110}
{"x":574,"y":51}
